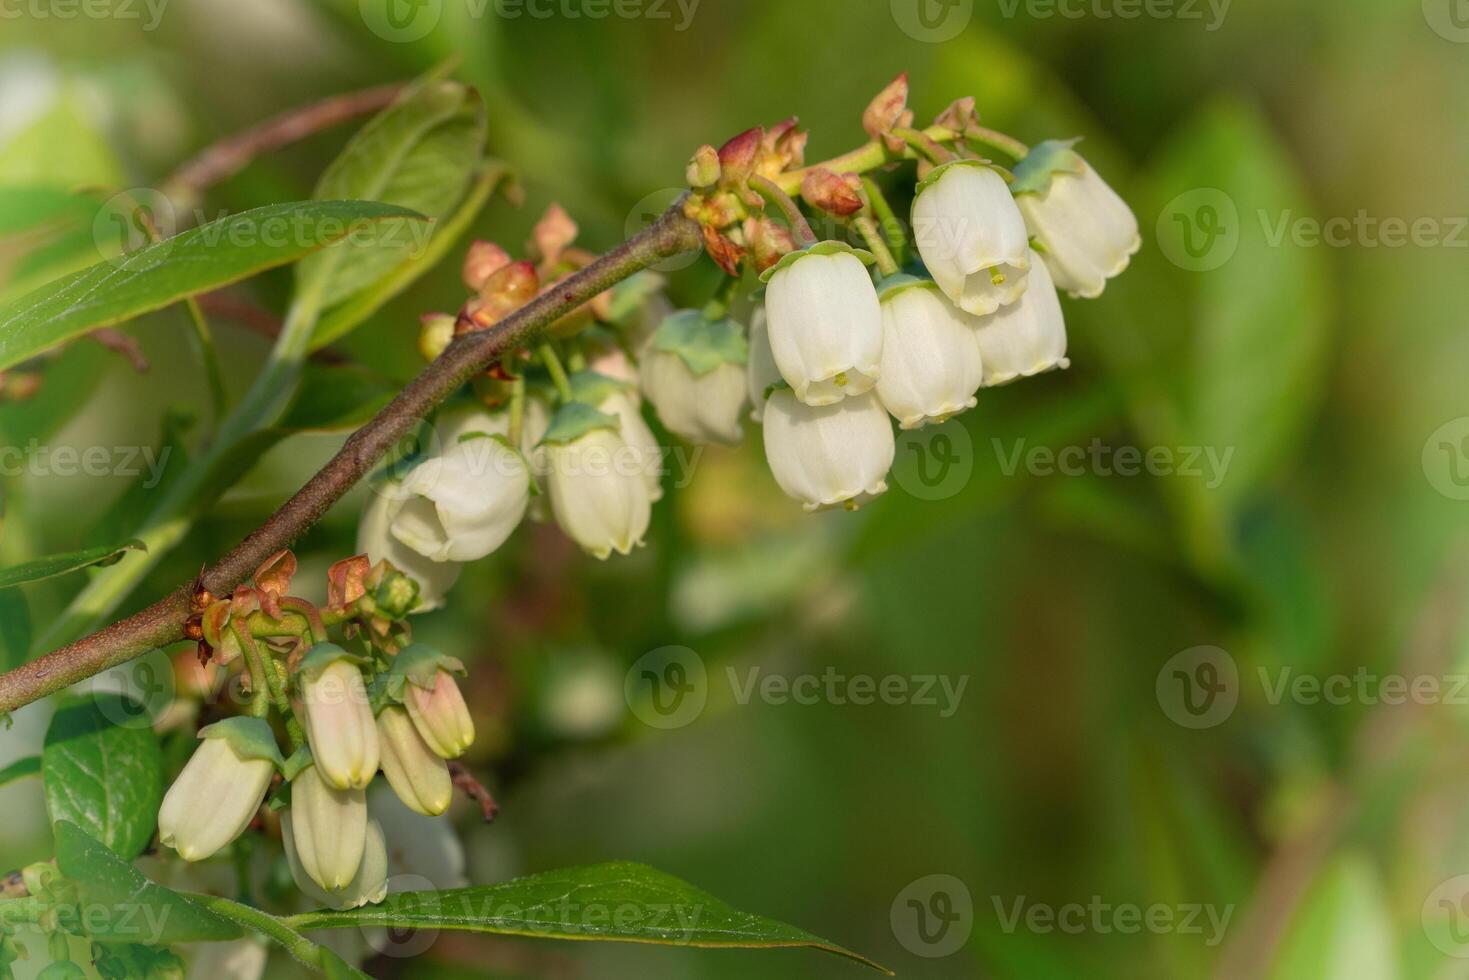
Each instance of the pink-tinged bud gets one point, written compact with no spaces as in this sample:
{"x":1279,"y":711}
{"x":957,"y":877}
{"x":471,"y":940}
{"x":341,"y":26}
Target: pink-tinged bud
{"x":328,"y":829}
{"x":769,"y":243}
{"x":737,"y":157}
{"x":339,"y":722}
{"x":783,"y":148}
{"x":704,"y":169}
{"x":502,"y":294}
{"x":216,"y":796}
{"x":831,"y":192}
{"x":435,"y":333}
{"x":483,"y":260}
{"x":959,"y":116}
{"x":347,"y":581}
{"x":440,"y":715}
{"x":367,"y":887}
{"x":552,"y":234}
{"x":416,"y":772}
{"x":889,"y":111}
{"x":723,"y":250}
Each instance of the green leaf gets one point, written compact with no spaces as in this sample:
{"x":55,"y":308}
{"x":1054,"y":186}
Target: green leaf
{"x":420,"y":153}
{"x":20,"y":769}
{"x":574,"y":420}
{"x":336,"y":398}
{"x":54,"y":565}
{"x":15,"y":629}
{"x":103,"y":769}
{"x":120,"y":905}
{"x":702,"y":344}
{"x":24,"y":208}
{"x":195,"y":261}
{"x":1045,"y":160}
{"x":620,"y":902}
{"x":1342,"y":928}
{"x":133,"y":962}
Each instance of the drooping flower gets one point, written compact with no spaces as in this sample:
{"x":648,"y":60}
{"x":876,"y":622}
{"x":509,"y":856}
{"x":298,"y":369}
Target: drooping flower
{"x":1026,"y":338}
{"x":416,"y":772}
{"x":221,"y":788}
{"x":643,"y":451}
{"x":971,"y":236}
{"x":440,"y":715}
{"x":462,"y":503}
{"x":694,"y":374}
{"x":761,"y":372}
{"x":339,"y":722}
{"x":328,"y":829}
{"x":930,"y":361}
{"x":375,"y":539}
{"x":824,"y":324}
{"x":1087,"y":232}
{"x":829,"y":455}
{"x":368,"y":886}
{"x":598,"y":484}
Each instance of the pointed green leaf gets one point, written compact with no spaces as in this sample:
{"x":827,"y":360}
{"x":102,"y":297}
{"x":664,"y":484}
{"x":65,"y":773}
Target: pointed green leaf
{"x":620,"y":902}
{"x":195,"y":261}
{"x":20,"y":769}
{"x":117,"y":904}
{"x":54,"y":565}
{"x":15,"y":629}
{"x":103,"y":770}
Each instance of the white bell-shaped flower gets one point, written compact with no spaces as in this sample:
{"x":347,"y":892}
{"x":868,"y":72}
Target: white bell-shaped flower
{"x":367,"y":887}
{"x":597,"y":483}
{"x":971,"y":236}
{"x":376,"y":540}
{"x":1087,"y":232}
{"x":761,"y":372}
{"x":930,"y":361}
{"x":824,"y":323}
{"x":216,"y":796}
{"x":1026,"y":338}
{"x":828,"y":455}
{"x":330,"y":830}
{"x":463,"y":502}
{"x":694,"y":374}
{"x":643,"y":450}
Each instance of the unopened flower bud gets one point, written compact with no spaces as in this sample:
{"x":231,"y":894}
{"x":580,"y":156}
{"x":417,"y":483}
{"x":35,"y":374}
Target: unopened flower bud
{"x":971,"y":236}
{"x":416,"y":772}
{"x":829,"y":456}
{"x":440,"y":714}
{"x":930,"y":358}
{"x":328,"y":829}
{"x":483,"y":260}
{"x":222,"y":786}
{"x":434,"y":335}
{"x":825,"y":324}
{"x":339,"y":722}
{"x":703,"y":170}
{"x":368,"y":886}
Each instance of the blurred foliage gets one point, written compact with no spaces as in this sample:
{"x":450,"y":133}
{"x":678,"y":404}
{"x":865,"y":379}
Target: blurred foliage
{"x":1322,"y":829}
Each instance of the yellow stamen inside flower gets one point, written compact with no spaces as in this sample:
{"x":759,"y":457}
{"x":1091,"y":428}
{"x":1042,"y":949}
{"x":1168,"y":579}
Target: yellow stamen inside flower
{"x":998,"y":278}
{"x":840,"y":380}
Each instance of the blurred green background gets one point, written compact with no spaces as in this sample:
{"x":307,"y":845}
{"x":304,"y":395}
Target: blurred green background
{"x":1329,"y":374}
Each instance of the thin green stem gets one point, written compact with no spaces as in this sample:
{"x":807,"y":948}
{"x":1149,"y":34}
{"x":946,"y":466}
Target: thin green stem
{"x":304,"y":950}
{"x":724,"y":294}
{"x":868,"y":229}
{"x":260,"y":692}
{"x":775,"y":194}
{"x":311,"y":614}
{"x":203,"y":339}
{"x":864,"y":158}
{"x":517,"y":409}
{"x":926,"y":145}
{"x":558,"y":373}
{"x":1006,"y":144}
{"x":887,"y":221}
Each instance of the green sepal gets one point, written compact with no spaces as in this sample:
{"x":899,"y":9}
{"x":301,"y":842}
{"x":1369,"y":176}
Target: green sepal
{"x":1045,"y":160}
{"x":774,"y":386}
{"x":251,"y":738}
{"x":322,"y":656}
{"x":593,"y":388}
{"x":630,"y":295}
{"x":702,"y":344}
{"x":419,"y":665}
{"x":299,"y":762}
{"x":943,"y":168}
{"x":899,"y":282}
{"x":574,"y":420}
{"x":820,"y":248}
{"x":280,"y":799}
